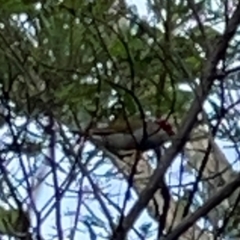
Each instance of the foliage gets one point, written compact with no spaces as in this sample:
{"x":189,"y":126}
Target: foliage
{"x":13,"y":222}
{"x":80,"y":62}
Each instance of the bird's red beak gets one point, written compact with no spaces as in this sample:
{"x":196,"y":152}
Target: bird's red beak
{"x":166,"y":126}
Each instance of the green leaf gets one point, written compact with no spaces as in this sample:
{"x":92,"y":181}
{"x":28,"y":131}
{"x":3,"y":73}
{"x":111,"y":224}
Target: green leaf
{"x":14,"y":222}
{"x":14,"y":6}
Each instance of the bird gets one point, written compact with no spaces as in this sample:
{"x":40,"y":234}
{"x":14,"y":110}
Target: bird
{"x":122,"y":135}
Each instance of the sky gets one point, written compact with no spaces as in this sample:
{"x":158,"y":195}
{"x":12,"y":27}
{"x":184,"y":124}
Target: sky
{"x":116,"y":187}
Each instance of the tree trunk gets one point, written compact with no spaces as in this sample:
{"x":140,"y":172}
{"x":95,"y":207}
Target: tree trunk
{"x":218,"y":170}
{"x":144,"y":171}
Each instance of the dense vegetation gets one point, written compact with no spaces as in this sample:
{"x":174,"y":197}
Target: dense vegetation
{"x":67,"y":67}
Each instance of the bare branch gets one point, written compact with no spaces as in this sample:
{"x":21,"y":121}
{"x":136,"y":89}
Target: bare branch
{"x":208,"y":206}
{"x":186,"y":125}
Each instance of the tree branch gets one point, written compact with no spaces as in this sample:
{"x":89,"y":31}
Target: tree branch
{"x":186,"y":126}
{"x":217,"y":198}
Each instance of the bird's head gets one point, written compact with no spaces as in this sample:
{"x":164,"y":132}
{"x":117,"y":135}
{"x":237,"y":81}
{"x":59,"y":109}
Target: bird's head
{"x":166,"y":126}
